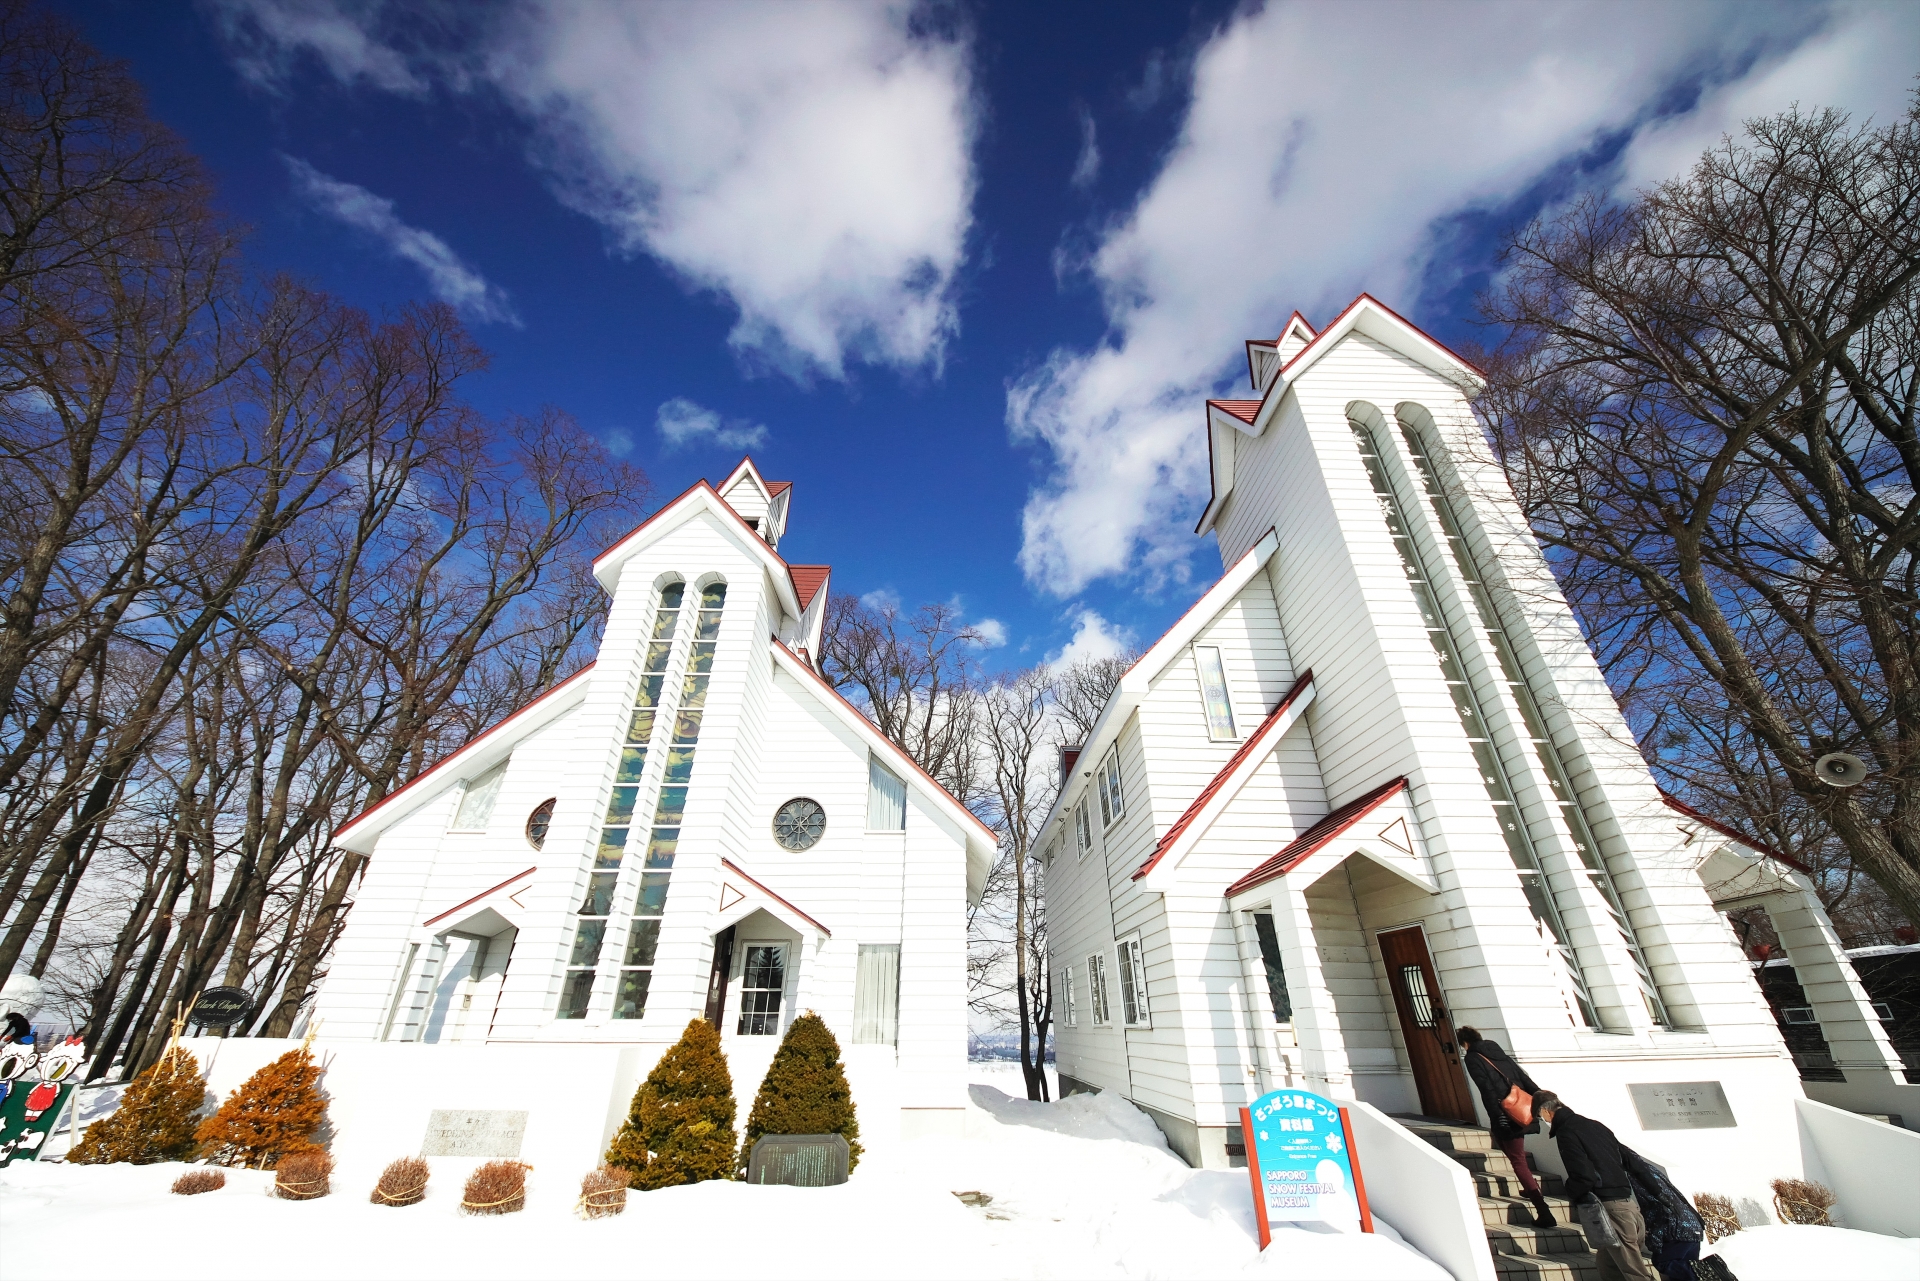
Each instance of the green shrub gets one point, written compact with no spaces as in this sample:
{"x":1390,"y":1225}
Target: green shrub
{"x":805,"y":1091}
{"x":680,"y":1127}
{"x":155,"y":1120}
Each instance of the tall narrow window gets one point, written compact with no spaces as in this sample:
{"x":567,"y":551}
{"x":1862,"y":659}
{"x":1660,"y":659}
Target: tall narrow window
{"x":1213,"y":691}
{"x":876,"y":995}
{"x":763,"y":980}
{"x":1133,"y":984}
{"x":1112,"y":804}
{"x":886,"y":799}
{"x":1068,"y":1002}
{"x":1270,"y":962}
{"x":1466,"y":703}
{"x":1097,"y":988}
{"x":476,"y":803}
{"x":1082,"y":829}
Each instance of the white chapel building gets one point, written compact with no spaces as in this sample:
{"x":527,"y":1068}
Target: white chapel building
{"x":696,"y":825}
{"x":1373,"y":787}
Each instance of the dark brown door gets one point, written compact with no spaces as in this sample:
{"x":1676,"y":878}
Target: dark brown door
{"x":1425,"y":1026}
{"x":717,"y":980}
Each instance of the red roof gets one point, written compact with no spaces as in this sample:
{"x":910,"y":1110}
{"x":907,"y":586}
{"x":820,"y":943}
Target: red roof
{"x":482,"y":894}
{"x":1244,"y":410}
{"x":775,"y":488}
{"x":1674,"y":802}
{"x":1319,"y":834}
{"x":1253,"y":743}
{"x":741,"y":872}
{"x":807,"y":580}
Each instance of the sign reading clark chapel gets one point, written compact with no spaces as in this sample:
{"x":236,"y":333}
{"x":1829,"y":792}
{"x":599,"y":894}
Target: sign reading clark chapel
{"x":467,"y":1132}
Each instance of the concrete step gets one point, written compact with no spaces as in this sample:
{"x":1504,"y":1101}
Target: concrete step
{"x":1546,"y":1267}
{"x":1505,"y":1183}
{"x":1503,"y":1211}
{"x":1516,"y":1239}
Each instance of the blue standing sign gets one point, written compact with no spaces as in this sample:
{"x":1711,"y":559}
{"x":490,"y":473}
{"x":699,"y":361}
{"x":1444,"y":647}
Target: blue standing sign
{"x":1301,"y":1161}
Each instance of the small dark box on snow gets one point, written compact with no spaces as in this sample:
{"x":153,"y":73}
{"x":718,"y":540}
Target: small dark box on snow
{"x":799,"y":1160}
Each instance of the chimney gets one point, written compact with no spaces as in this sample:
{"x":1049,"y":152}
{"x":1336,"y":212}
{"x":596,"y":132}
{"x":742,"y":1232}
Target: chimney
{"x":1068,"y":755}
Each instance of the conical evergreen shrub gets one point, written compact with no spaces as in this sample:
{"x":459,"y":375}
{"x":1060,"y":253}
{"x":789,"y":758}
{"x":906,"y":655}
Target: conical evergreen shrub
{"x":805,"y":1091}
{"x":273,"y":1115}
{"x":680,"y":1127}
{"x":156,"y":1117}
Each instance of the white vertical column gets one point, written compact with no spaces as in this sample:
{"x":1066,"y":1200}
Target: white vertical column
{"x":1853,"y":1032}
{"x":1316,"y":1024}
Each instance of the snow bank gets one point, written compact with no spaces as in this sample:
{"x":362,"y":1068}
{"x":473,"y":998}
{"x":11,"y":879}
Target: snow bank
{"x":1085,"y":1187}
{"x":1794,"y":1252}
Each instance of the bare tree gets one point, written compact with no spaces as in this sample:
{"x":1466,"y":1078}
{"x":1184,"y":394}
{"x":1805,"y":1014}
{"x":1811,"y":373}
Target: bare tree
{"x":1081,"y":691}
{"x":1707,"y":410}
{"x":1017,"y":729}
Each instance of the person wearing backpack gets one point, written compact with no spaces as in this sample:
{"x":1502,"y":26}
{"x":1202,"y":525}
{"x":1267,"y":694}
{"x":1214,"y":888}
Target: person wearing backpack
{"x":1674,"y":1229}
{"x":1506,"y":1088}
{"x":1599,"y":1190}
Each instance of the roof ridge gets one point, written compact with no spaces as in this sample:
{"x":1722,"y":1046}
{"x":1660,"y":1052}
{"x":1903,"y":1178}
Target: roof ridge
{"x":1318,"y":833}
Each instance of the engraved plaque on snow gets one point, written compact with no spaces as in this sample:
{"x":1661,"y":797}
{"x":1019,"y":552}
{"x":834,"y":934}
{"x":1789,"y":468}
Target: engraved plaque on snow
{"x":472,"y":1133}
{"x":799,"y":1160}
{"x":1682,"y":1105}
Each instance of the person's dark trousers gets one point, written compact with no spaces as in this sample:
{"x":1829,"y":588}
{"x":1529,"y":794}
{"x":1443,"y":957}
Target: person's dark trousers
{"x":1516,"y":1150}
{"x":1623,"y":1262}
{"x":1675,"y":1262}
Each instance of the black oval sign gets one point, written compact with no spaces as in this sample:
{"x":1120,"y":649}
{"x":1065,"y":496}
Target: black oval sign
{"x":221,"y":1007}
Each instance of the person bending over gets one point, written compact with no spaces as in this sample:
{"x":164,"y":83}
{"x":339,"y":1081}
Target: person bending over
{"x":1598,"y":1189}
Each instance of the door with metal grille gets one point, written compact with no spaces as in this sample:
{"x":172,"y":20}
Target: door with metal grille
{"x":1426,"y":1027}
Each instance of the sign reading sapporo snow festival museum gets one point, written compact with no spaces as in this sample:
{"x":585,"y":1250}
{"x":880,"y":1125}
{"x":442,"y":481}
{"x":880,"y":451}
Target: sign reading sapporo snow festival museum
{"x":1305,"y":1170}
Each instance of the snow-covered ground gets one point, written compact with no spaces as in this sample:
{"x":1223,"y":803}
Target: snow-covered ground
{"x":1081,"y":1188}
{"x":1789,"y":1252}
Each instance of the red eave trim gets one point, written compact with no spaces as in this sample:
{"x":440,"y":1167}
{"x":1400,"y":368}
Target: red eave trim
{"x":899,"y":751}
{"x":775,"y":488}
{"x":482,"y":894}
{"x":741,"y":872}
{"x":1198,"y":601}
{"x":1321,"y":833}
{"x":1245,"y":410}
{"x":665,"y":507}
{"x":1391,"y":312}
{"x":807,"y":580}
{"x":1675,"y":803}
{"x":435,"y":768}
{"x":1253,"y":743}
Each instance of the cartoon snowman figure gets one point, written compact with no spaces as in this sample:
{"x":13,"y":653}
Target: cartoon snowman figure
{"x":53,"y":1069}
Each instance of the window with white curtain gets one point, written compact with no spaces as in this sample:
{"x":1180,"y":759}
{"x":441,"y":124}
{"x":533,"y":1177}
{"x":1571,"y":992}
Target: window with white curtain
{"x":1097,"y":988}
{"x":1112,"y":805}
{"x":1213,"y":691}
{"x":876,"y":995}
{"x":476,"y":803}
{"x":886,"y":799}
{"x":1133,"y":984}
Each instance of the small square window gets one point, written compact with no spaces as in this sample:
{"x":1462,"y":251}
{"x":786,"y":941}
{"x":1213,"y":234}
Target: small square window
{"x":1800,"y":1015}
{"x":476,"y":802}
{"x":1883,"y":1011}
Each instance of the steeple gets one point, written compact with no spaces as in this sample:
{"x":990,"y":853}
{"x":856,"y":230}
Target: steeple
{"x":762,"y":503}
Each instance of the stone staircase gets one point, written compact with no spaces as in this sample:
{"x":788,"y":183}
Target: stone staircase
{"x":1520,"y":1250}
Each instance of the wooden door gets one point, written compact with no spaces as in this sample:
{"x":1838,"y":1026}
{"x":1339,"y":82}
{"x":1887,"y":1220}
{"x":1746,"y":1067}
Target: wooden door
{"x":717,"y":979}
{"x":1426,"y":1027}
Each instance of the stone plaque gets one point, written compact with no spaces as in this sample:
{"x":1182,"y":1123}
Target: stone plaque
{"x":799,"y":1160}
{"x":1682,"y":1105}
{"x":471,"y":1133}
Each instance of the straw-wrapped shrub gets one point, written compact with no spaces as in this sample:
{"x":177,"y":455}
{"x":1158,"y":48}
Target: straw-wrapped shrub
{"x":498,"y":1187}
{"x":403,"y":1182}
{"x":1717,"y":1215}
{"x":194,"y":1182}
{"x":603,"y":1192}
{"x":1803,"y":1201}
{"x":303,"y":1176}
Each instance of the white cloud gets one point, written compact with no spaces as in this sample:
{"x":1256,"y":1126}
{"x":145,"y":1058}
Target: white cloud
{"x":683,"y":423}
{"x":1322,"y":146}
{"x":1093,"y":638}
{"x":451,"y":280}
{"x":1086,"y":168}
{"x":993,"y":632}
{"x":811,"y":163}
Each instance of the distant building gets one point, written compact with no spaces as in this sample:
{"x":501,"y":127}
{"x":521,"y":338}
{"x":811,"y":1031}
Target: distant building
{"x":1891,"y":977}
{"x":1373,"y":786}
{"x":695,"y":826}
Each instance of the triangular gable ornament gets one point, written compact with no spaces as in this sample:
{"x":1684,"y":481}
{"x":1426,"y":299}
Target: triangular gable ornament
{"x":729,"y":896}
{"x":1397,"y":835}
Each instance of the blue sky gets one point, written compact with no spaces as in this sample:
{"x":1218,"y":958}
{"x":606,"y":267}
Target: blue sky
{"x":965,"y":272}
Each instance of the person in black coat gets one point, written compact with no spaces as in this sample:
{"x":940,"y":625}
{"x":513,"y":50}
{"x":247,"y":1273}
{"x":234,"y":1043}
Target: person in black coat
{"x":1493,"y":1074}
{"x":1598,"y":1187}
{"x":1674,"y":1229}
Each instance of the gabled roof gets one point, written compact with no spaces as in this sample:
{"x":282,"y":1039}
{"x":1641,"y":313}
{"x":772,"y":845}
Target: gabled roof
{"x":365,"y":827}
{"x":807,"y":580}
{"x":1365,"y":314}
{"x":1680,"y":806}
{"x":1244,"y":410}
{"x":699,"y":496}
{"x":981,"y":842}
{"x":1296,"y":329}
{"x":518,"y":876}
{"x":1225,"y":785}
{"x":775,"y":488}
{"x":1327,"y":829}
{"x":778,"y":900}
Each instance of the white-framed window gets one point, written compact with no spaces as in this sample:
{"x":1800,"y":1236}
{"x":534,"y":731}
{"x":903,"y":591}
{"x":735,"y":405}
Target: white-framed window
{"x":876,"y":995}
{"x":476,"y":802}
{"x":1133,"y":984}
{"x":886,"y":799}
{"x":1883,"y":1011}
{"x":1068,"y":1003}
{"x":1798,"y":1014}
{"x":1097,"y":988}
{"x":1213,"y":692}
{"x":763,"y":981}
{"x":1082,"y":829}
{"x":1112,"y":803}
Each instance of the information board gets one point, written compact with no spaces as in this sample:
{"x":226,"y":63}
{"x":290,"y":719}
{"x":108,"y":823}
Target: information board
{"x":1301,"y":1160}
{"x":474,"y":1133}
{"x":1682,"y":1105}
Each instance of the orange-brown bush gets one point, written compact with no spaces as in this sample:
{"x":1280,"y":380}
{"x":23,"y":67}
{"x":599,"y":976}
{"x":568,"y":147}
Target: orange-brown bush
{"x":1717,"y":1215}
{"x":304,"y":1176}
{"x":403,"y":1182}
{"x":604,"y":1192}
{"x":274,"y":1114}
{"x":194,"y":1182}
{"x":1803,"y":1201}
{"x":498,"y":1187}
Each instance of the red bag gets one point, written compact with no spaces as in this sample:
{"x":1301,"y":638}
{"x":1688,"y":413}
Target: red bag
{"x":1518,"y":1104}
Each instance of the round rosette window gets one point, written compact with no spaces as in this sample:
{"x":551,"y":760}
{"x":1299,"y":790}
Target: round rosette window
{"x":799,"y":823}
{"x":538,"y":822}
